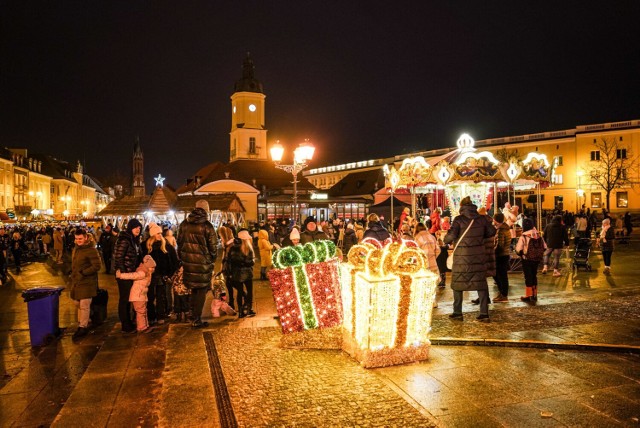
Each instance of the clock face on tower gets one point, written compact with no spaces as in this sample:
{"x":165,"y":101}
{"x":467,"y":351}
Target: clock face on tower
{"x":252,"y":107}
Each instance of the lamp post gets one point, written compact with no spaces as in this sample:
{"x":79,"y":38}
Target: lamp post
{"x":579,"y":191}
{"x":66,"y":200}
{"x":301,"y":155}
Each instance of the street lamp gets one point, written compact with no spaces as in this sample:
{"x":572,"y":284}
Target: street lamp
{"x":301,"y":156}
{"x":579,"y":191}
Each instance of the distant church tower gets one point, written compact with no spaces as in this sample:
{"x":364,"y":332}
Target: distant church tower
{"x":248,"y":133}
{"x":137,"y":189}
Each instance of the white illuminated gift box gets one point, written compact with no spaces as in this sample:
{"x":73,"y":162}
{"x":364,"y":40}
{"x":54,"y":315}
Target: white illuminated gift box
{"x":387,"y":298}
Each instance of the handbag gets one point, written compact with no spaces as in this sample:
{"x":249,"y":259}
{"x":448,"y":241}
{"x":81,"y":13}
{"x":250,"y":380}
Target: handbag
{"x":450,"y":256}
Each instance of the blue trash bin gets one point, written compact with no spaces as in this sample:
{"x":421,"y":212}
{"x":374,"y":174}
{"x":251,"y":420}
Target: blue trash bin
{"x":42,"y":306}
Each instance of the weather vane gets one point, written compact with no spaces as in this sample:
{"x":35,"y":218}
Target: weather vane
{"x":159,"y":180}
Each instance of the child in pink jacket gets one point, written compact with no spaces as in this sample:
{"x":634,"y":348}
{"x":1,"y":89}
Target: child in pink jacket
{"x":219,"y":301}
{"x":138,"y":295}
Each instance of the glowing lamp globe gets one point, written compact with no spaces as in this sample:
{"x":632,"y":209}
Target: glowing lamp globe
{"x":277,"y":151}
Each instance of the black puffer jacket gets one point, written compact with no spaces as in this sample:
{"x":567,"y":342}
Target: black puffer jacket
{"x":198,"y":248}
{"x":377,"y":231}
{"x":127,"y":255}
{"x":309,"y":236}
{"x":555,"y":234}
{"x":239,"y":265}
{"x":469,"y":260}
{"x":166,"y":263}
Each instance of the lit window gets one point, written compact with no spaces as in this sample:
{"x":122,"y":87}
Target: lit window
{"x":558,"y":160}
{"x":596,"y":200}
{"x":622,"y":199}
{"x":252,"y":145}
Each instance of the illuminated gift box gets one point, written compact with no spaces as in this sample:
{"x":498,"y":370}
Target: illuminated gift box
{"x":306,"y":289}
{"x":387,"y":296}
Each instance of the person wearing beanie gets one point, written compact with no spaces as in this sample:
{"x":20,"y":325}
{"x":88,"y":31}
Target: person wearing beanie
{"x":198,"y":249}
{"x":241,"y":259}
{"x":350,"y":239}
{"x":531,"y":248}
{"x":127,"y":255}
{"x":85,"y":265}
{"x":138,"y":296}
{"x":293,"y":238}
{"x":311,"y":232}
{"x":160,"y":290}
{"x":469,"y":231}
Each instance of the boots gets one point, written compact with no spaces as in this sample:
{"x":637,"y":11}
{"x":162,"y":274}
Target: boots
{"x":263,"y":273}
{"x":529,"y":298}
{"x":534,"y":296}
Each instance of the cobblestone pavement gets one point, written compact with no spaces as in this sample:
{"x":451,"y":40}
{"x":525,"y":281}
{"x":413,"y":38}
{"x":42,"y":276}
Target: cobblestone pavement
{"x":163,"y":379}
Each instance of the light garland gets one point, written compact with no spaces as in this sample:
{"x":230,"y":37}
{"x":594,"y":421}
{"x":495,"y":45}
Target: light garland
{"x":305,"y":286}
{"x":387,"y":296}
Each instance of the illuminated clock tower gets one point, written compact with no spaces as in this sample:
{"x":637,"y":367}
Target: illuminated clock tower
{"x":248,"y":137}
{"x":137,"y":188}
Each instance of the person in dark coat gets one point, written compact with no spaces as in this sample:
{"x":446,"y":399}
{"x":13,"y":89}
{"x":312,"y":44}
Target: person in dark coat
{"x":166,"y":260}
{"x":198,"y":249}
{"x":350,"y":238}
{"x":375,"y":229}
{"x":241,"y":259}
{"x":489,"y":251}
{"x":469,"y":270}
{"x":555,"y":235}
{"x":311,"y":232}
{"x":85,"y":265}
{"x":502,"y":251}
{"x":106,"y":243}
{"x":127,"y":256}
{"x":605,"y":241}
{"x":627,"y":223}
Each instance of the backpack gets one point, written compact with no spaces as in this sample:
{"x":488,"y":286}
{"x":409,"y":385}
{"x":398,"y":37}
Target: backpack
{"x":535,"y":249}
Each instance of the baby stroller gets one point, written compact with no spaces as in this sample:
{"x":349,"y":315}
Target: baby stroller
{"x":581,"y":256}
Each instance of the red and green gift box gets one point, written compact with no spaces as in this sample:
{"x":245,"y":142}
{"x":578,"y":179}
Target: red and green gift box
{"x":306,"y":288}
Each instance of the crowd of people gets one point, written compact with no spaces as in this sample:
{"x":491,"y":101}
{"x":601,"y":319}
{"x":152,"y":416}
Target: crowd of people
{"x":160,"y":276}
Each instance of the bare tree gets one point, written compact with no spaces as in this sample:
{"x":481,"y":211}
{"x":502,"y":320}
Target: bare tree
{"x":611,"y":166}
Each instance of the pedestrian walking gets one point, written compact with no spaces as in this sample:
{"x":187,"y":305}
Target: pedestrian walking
{"x":226,"y":238}
{"x":198,"y":249}
{"x":265,"y":247}
{"x":469,"y":231}
{"x":605,"y":241}
{"x":139,"y":291}
{"x":58,"y":245}
{"x":556,"y":238}
{"x":127,"y":256}
{"x":531,"y":248}
{"x":241,"y":259}
{"x":627,"y":223}
{"x":106,"y":243}
{"x":502,"y":250}
{"x":17,"y":246}
{"x":85,"y":265}
{"x":350,"y":239}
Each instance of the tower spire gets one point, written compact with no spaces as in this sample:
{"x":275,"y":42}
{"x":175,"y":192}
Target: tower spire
{"x":137,"y":185}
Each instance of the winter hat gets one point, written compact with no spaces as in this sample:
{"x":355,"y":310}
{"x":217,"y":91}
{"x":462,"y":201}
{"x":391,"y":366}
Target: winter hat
{"x":527,"y":224}
{"x":310,"y":219}
{"x":154,"y":229}
{"x":202,"y":203}
{"x":133,"y":224}
{"x":148,"y":262}
{"x":466,"y":201}
{"x":244,"y":234}
{"x":294,"y":234}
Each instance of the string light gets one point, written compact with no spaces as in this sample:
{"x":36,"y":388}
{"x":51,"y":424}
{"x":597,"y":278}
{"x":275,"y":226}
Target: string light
{"x":305,"y":286}
{"x":387,"y":293}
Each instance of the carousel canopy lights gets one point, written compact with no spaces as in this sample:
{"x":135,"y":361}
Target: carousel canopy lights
{"x":485,"y":154}
{"x":465,"y":142}
{"x":537,"y":156}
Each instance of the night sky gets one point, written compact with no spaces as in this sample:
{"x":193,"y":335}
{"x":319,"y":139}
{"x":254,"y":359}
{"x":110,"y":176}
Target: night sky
{"x":362,"y":80}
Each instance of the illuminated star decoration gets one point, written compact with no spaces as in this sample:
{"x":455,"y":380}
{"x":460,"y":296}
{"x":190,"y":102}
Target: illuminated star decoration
{"x":159,"y":180}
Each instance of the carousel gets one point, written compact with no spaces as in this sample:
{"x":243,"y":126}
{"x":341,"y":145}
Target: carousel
{"x":445,"y":180}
